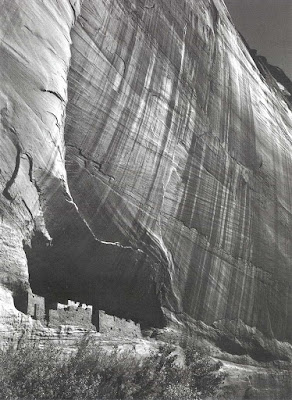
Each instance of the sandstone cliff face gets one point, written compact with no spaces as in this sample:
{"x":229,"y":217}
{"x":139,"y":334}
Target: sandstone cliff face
{"x":35,"y":54}
{"x":177,"y":146}
{"x":150,"y":178}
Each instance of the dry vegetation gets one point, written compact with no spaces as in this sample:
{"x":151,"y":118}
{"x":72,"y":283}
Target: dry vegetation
{"x":36,"y":374}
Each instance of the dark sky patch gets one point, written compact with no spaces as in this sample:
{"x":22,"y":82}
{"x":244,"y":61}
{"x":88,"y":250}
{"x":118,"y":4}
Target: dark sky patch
{"x":267,"y":27}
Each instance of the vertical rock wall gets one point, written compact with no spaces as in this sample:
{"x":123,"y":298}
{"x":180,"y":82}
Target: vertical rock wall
{"x":34,"y":62}
{"x":176,"y":145}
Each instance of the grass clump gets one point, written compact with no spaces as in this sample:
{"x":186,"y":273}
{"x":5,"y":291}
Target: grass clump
{"x":94,"y":373}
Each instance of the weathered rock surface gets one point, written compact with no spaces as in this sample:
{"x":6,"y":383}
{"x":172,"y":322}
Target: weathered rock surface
{"x":34,"y":61}
{"x":173,"y":203}
{"x":183,"y":149}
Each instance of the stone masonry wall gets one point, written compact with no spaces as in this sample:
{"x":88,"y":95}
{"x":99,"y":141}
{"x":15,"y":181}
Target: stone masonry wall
{"x":115,"y":326}
{"x":78,"y":314}
{"x":71,"y":315}
{"x":36,"y":307}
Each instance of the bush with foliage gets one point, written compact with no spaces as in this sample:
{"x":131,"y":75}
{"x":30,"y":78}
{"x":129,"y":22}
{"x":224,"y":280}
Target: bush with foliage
{"x":94,"y":373}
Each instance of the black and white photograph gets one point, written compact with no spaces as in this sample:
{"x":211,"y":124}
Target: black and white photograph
{"x":145,"y":199}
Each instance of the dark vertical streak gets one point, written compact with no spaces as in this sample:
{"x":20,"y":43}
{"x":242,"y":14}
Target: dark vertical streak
{"x":13,"y":177}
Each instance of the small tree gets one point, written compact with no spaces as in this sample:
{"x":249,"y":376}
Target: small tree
{"x":205,"y":376}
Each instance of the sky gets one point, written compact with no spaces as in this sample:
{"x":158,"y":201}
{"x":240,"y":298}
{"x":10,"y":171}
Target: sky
{"x":267,"y":27}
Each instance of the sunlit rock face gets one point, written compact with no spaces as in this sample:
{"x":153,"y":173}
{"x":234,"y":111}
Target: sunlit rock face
{"x":176,"y":145}
{"x":34,"y":62}
{"x":173,"y":203}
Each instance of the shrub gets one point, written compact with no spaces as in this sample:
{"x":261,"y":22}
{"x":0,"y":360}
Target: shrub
{"x":94,"y":373}
{"x":203,"y":372}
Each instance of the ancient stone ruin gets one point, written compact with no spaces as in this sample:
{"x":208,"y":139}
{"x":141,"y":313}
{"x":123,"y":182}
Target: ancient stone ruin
{"x":53,"y":314}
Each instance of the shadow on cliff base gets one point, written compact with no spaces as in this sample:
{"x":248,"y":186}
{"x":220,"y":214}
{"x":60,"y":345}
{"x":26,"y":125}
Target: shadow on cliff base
{"x":110,"y":278}
{"x":77,"y":266}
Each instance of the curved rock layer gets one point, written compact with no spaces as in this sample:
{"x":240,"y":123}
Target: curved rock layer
{"x":34,"y":61}
{"x":174,"y":202}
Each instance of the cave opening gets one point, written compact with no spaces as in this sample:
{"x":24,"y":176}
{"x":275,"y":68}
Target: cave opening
{"x":67,"y":270}
{"x":51,"y":286}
